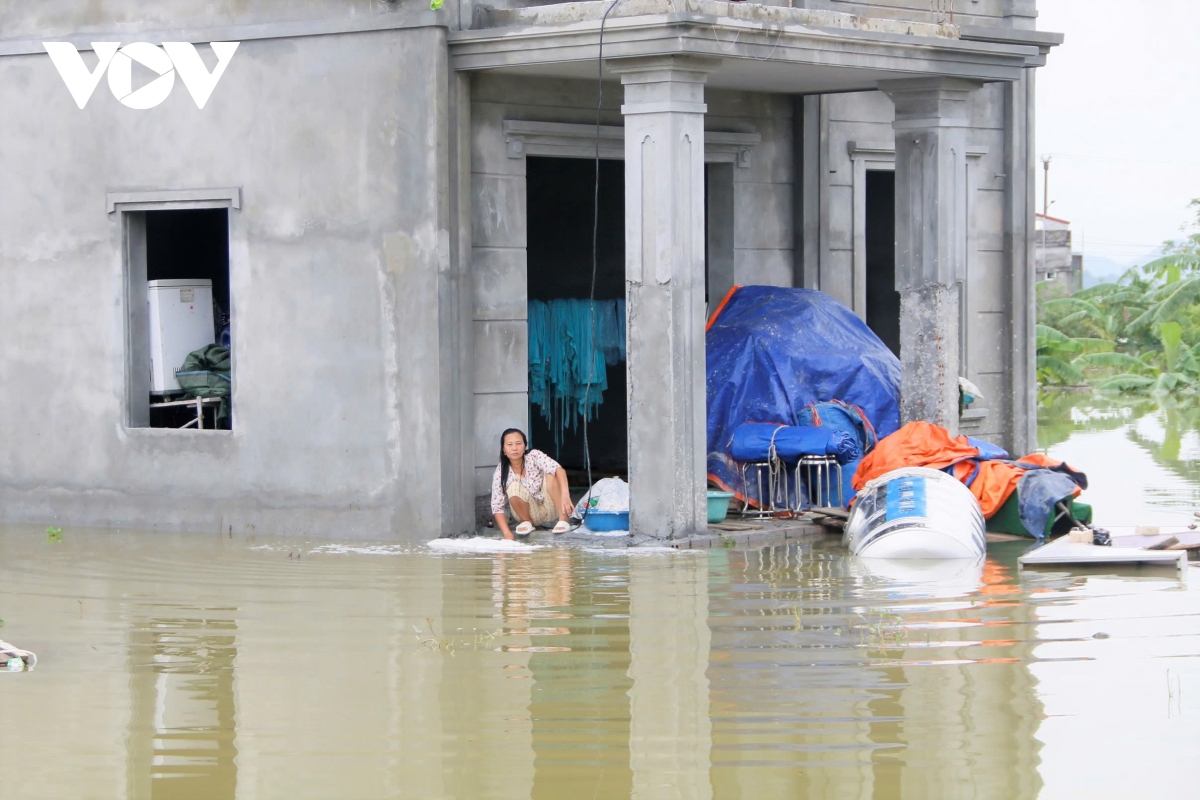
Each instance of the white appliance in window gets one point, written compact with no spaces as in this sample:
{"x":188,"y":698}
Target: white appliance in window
{"x":181,"y":320}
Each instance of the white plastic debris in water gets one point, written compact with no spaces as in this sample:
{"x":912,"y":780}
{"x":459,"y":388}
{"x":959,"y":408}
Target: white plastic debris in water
{"x":915,"y":512}
{"x":362,"y":549}
{"x":606,"y":494}
{"x":16,"y":659}
{"x":481,"y":544}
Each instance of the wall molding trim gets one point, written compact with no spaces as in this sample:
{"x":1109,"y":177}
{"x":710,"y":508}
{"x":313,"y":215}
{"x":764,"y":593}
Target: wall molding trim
{"x":573,"y":140}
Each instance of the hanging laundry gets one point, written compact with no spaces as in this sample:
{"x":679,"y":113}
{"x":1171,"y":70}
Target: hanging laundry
{"x":571,"y":345}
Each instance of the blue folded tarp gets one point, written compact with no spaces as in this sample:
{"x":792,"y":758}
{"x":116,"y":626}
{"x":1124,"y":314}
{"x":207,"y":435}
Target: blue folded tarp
{"x":753,"y":441}
{"x":772,"y":351}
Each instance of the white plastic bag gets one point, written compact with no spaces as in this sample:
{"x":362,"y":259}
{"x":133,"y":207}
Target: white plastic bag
{"x":607,"y":494}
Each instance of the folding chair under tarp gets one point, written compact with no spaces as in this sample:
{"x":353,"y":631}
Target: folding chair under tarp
{"x":797,"y":460}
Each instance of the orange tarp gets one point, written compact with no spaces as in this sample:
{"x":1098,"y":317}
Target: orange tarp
{"x":917,"y":444}
{"x":922,"y":444}
{"x":992,"y":486}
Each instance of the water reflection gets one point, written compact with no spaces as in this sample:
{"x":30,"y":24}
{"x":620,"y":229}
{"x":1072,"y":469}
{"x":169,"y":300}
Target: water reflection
{"x":1140,"y":454}
{"x":578,"y":681}
{"x":875,"y":689}
{"x":670,"y":731}
{"x":175,"y":666}
{"x":182,"y":727}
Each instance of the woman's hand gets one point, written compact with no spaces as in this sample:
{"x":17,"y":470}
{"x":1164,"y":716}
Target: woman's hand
{"x":502,"y":524}
{"x":567,"y":508}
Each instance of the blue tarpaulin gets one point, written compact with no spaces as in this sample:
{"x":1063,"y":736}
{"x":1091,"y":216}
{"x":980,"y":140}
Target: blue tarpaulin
{"x":753,"y":441}
{"x":772,"y":351}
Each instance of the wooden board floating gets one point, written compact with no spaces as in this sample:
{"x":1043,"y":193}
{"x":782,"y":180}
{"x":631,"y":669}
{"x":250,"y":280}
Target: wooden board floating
{"x":1062,"y":551}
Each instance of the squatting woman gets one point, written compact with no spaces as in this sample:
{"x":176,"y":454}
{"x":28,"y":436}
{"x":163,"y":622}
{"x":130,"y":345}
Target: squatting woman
{"x":530,"y":486}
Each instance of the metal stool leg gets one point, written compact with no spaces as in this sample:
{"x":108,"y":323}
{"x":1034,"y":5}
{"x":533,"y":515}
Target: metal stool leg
{"x":822,"y":480}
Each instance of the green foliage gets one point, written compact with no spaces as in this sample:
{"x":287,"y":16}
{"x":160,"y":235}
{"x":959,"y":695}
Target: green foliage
{"x":1089,"y":346}
{"x":1111,"y":360}
{"x":1054,"y":351}
{"x":1125,"y":382}
{"x":1170,"y":334}
{"x":1180,"y":301}
{"x":53,"y":535}
{"x":1052,"y":369}
{"x":1140,"y":334}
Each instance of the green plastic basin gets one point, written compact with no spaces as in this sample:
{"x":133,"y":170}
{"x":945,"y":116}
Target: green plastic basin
{"x":718,"y":505}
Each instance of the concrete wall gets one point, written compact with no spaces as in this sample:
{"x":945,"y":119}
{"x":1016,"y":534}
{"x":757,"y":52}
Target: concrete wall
{"x":830,"y":124}
{"x":762,"y":222}
{"x":52,"y":19}
{"x":338,"y":261}
{"x":763,"y":218}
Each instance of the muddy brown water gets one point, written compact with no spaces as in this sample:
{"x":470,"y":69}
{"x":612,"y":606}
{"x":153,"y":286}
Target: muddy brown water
{"x":197,"y":666}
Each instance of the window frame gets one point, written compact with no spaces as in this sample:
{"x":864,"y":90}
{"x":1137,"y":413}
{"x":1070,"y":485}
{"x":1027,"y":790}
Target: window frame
{"x":132,"y":206}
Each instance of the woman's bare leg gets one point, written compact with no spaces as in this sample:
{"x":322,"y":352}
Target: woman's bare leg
{"x":521,"y":509}
{"x":560,"y":494}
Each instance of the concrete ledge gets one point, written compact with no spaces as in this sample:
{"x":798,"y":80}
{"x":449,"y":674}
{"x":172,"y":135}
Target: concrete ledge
{"x":758,"y":54}
{"x":157,"y":199}
{"x":566,"y":13}
{"x":767,"y":532}
{"x":770,"y":531}
{"x":572,"y":140}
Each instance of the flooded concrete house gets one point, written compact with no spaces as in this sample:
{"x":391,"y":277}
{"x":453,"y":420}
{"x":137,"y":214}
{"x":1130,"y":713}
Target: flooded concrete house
{"x":374,"y":192}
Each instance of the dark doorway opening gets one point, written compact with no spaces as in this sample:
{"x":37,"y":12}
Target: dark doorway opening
{"x":187,"y":282}
{"x":883,"y":301}
{"x":718,"y":234}
{"x":559,"y":211}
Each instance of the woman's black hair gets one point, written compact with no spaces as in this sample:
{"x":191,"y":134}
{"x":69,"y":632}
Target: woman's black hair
{"x":504,"y":463}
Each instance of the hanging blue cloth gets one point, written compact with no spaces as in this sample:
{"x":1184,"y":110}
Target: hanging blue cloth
{"x":571,"y":345}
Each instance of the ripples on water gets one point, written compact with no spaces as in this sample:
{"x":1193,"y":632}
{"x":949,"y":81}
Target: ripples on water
{"x":174,"y":666}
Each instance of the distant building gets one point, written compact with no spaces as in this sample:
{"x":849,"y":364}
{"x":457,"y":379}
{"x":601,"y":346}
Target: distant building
{"x":1054,"y":260}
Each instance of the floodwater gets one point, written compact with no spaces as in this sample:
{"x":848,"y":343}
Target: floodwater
{"x":202,"y":666}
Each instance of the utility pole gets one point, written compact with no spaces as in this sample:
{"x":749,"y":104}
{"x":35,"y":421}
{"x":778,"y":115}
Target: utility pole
{"x":1046,"y":186}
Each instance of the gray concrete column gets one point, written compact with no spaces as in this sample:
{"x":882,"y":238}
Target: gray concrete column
{"x":664,"y":283}
{"x":931,"y":238}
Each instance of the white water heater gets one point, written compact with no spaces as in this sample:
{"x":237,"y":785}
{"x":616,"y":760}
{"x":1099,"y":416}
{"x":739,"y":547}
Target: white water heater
{"x":181,"y":320}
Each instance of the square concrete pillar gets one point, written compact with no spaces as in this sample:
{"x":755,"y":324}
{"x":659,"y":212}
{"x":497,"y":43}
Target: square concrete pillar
{"x":664,"y":285}
{"x":931,"y":240}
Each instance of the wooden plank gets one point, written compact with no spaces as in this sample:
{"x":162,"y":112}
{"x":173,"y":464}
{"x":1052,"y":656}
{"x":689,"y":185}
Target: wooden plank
{"x":1061,"y":551}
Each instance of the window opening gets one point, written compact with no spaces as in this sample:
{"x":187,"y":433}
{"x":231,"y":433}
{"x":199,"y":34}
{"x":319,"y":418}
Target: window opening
{"x":180,"y":260}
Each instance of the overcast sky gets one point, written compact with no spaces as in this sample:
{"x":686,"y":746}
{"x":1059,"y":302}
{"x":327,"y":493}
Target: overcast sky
{"x":1118,"y":109}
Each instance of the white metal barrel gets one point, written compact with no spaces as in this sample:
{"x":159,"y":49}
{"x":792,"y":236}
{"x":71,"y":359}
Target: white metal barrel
{"x":915,"y":512}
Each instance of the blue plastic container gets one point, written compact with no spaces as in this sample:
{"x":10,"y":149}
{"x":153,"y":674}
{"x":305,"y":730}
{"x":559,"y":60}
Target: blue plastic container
{"x":607,"y":520}
{"x":718,"y":505}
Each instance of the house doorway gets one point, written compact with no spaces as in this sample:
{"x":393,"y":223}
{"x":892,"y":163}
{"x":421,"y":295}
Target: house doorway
{"x":559,"y":269}
{"x":883,"y":301}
